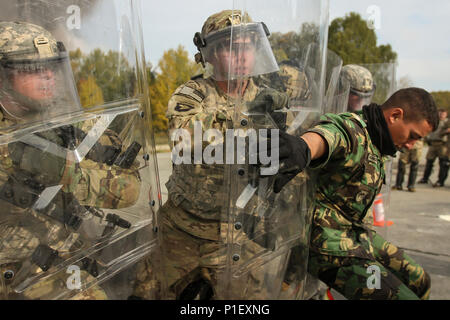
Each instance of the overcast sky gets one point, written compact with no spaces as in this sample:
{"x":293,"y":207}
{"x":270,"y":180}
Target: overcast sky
{"x":419,"y":31}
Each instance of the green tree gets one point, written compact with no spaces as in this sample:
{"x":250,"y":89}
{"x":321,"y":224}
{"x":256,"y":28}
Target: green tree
{"x":174,"y":69}
{"x":355,"y":42}
{"x":293,"y":45}
{"x":112,"y":72}
{"x":90,"y":93}
{"x":442,"y":99}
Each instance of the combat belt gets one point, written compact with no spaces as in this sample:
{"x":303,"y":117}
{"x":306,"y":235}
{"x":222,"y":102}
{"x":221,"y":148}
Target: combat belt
{"x":23,"y":191}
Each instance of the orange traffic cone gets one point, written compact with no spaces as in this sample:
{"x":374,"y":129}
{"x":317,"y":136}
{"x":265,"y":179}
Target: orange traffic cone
{"x":329,"y":295}
{"x":378,"y":212}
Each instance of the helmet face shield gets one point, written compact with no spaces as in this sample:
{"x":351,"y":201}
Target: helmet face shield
{"x":239,"y":51}
{"x":357,"y":100}
{"x":36,"y":90}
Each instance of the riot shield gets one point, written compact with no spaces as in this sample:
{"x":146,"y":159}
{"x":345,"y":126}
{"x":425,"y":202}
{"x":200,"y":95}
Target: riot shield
{"x":337,"y":88}
{"x":384,"y":76}
{"x":79,"y":181}
{"x":265,"y":235}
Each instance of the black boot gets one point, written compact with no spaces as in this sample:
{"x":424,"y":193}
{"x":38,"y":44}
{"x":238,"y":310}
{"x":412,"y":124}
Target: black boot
{"x":400,"y":175}
{"x":412,"y":176}
{"x":427,"y":172}
{"x":444,"y":164}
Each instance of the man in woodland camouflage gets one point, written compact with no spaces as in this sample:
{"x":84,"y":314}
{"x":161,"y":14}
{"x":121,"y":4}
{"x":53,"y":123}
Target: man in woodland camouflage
{"x":40,"y":227}
{"x":347,"y":150}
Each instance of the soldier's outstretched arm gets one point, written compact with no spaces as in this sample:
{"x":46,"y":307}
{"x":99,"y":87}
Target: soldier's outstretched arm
{"x":317,"y":145}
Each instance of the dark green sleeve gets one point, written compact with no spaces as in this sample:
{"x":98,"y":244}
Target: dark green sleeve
{"x":337,"y":132}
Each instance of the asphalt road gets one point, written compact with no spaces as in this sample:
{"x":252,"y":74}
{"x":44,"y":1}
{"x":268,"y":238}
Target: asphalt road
{"x":422,"y":227}
{"x":421,"y":224}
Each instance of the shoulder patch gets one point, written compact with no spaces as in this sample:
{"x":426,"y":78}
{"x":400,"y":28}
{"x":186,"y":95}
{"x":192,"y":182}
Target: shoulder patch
{"x":182,"y":107}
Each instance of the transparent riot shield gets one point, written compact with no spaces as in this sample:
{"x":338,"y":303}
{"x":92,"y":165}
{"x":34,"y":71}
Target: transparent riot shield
{"x":384,"y":76}
{"x":265,"y":235}
{"x":335,"y":101}
{"x":337,"y":88}
{"x":79,"y":181}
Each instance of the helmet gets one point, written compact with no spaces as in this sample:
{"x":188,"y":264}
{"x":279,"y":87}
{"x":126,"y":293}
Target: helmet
{"x":22,"y":41}
{"x":223,"y":20}
{"x":36,"y":80}
{"x":362,"y":86}
{"x":219,"y":46}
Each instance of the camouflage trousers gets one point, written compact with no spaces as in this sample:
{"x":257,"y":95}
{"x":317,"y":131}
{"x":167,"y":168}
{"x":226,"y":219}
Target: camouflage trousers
{"x":400,"y":277}
{"x":187,"y":260}
{"x":437,"y":149}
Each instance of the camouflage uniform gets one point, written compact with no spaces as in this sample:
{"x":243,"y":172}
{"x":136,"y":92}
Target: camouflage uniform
{"x":194,"y":226}
{"x":23,"y":229}
{"x":437,"y":149}
{"x":342,"y":246}
{"x":192,"y":234}
{"x":444,"y":160}
{"x":411,"y":156}
{"x":93,"y":184}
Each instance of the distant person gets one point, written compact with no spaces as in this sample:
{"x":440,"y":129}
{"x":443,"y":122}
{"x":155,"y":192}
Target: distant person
{"x":444,"y":161}
{"x":411,"y":157}
{"x":436,"y":147}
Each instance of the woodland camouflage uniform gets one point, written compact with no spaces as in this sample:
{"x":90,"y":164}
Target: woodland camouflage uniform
{"x":342,"y":246}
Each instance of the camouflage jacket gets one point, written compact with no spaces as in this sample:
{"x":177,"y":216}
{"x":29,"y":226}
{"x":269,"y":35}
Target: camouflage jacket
{"x":199,"y":188}
{"x":437,"y":136}
{"x":445,"y":136}
{"x":349,"y":178}
{"x":23,"y":229}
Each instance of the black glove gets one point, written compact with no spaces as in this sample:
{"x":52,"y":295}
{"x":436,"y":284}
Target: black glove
{"x":269,"y":100}
{"x":294,"y":156}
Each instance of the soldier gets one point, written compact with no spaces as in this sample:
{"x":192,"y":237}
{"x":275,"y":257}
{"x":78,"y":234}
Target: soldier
{"x":51,"y":193}
{"x":444,"y":161}
{"x":347,"y":150}
{"x":362,"y":86}
{"x":193,"y":237}
{"x":436,"y":149}
{"x":411,"y":157}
